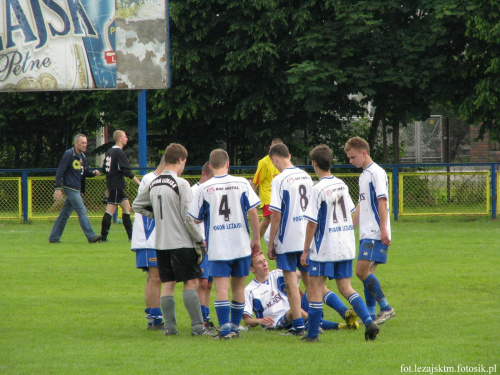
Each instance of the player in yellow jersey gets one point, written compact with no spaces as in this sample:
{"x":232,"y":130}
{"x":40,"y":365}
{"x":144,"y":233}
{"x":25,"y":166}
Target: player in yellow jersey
{"x":262,"y":179}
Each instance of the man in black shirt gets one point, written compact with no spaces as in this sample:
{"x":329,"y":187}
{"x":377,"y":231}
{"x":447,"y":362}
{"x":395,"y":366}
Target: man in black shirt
{"x":117,"y":167}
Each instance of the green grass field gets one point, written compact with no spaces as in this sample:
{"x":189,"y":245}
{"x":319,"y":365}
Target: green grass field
{"x":76,"y":308}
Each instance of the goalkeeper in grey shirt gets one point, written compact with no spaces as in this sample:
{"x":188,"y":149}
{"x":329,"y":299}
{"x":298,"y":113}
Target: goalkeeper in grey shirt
{"x":179,"y":242}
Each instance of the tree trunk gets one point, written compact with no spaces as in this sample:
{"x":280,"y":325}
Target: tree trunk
{"x":395,"y":140}
{"x":372,"y":136}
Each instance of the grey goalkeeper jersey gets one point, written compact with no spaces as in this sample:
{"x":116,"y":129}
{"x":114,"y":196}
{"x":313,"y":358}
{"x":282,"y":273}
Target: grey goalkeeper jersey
{"x":167,"y":199}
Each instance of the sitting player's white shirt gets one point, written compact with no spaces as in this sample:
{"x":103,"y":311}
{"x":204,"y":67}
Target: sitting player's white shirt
{"x":373,"y":184}
{"x":143,"y":231}
{"x":290,"y":192}
{"x":330,"y":207}
{"x":267,"y":299}
{"x":222,"y":204}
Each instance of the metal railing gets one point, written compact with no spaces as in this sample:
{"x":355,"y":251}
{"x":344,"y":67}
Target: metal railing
{"x":417,"y":189}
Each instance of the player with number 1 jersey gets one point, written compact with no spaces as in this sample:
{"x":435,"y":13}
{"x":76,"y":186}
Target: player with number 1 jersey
{"x":290,"y":192}
{"x":222,"y":204}
{"x":330,"y":207}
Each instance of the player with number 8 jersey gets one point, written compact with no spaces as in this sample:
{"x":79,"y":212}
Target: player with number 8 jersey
{"x":290,"y":192}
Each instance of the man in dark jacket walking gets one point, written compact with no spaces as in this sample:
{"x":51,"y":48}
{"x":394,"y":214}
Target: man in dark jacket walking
{"x":72,"y":168}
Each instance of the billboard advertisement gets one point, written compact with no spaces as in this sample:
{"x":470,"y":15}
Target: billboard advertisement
{"x":83,"y":44}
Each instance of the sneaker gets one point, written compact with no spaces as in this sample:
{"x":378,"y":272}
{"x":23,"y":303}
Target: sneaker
{"x":294,"y":332}
{"x":309,"y":339}
{"x":350,"y":318}
{"x":203,"y":332}
{"x":95,"y":239}
{"x":210,"y":327}
{"x":56,"y":241}
{"x":156,"y":327}
{"x":270,"y":328}
{"x":371,"y":331}
{"x":355,"y":325}
{"x":229,"y":336}
{"x":384,"y":316}
{"x":169,"y":333}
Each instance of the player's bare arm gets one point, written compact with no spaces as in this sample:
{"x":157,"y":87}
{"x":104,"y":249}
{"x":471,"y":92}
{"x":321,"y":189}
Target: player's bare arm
{"x":275,"y":222}
{"x":355,"y":217}
{"x":310,"y":229}
{"x":254,"y":223}
{"x":384,"y":217}
{"x":252,"y":322}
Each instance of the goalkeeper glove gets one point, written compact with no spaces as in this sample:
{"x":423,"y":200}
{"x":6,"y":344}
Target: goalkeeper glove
{"x":201,"y":250}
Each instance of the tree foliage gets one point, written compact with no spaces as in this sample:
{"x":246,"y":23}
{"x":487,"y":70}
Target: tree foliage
{"x":246,"y":71}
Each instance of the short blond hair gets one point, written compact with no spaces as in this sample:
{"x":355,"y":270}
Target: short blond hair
{"x":357,"y":143}
{"x":117,"y":134}
{"x":218,"y":158}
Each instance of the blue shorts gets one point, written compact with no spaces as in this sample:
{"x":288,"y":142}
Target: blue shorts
{"x":145,"y":258}
{"x":332,"y":270}
{"x":205,"y":268}
{"x":373,"y":250}
{"x":290,"y":262}
{"x":236,"y":267}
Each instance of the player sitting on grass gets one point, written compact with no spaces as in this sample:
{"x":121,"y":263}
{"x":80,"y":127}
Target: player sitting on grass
{"x":267,"y":298}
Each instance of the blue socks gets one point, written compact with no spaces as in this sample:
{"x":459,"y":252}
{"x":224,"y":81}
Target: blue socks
{"x":236,"y":314}
{"x":359,"y":307}
{"x":372,"y":285}
{"x":223,"y":309}
{"x":298,"y":324}
{"x":205,"y":311}
{"x":315,"y":312}
{"x":371,"y":303}
{"x":332,"y":300}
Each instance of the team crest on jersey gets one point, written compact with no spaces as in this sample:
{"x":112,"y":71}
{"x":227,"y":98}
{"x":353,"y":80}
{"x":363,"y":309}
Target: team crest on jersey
{"x":329,"y":192}
{"x":210,"y":190}
{"x":290,"y":181}
{"x":361,"y":196}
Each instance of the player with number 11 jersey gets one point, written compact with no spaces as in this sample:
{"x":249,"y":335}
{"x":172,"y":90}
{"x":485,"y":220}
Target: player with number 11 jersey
{"x":290,"y":191}
{"x":222,"y":204}
{"x":330,"y":207}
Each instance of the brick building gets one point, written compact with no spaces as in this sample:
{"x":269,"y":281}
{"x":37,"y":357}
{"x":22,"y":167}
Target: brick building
{"x":482,"y":151}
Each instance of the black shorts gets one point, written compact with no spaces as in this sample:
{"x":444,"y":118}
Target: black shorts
{"x":178,"y":265}
{"x":116,"y":196}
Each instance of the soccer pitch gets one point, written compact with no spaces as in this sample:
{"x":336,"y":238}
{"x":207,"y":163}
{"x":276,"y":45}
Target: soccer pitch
{"x":76,"y":308}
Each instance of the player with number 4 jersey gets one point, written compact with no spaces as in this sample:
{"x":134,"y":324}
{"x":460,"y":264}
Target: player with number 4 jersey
{"x":222,"y":204}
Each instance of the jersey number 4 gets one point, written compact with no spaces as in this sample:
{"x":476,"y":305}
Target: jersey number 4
{"x":224,"y":209}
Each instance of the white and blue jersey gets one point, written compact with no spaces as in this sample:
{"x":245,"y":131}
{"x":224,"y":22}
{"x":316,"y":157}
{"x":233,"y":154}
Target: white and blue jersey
{"x":222,"y":203}
{"x":143,"y":231}
{"x":373,"y":185}
{"x":290,"y":191}
{"x":267,"y":299}
{"x":330,"y":208}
